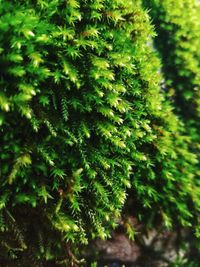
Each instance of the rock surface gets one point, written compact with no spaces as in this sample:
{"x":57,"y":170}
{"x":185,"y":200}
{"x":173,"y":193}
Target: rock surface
{"x":154,"y":249}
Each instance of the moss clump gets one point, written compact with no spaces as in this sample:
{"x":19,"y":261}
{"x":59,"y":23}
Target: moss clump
{"x":83,"y":119}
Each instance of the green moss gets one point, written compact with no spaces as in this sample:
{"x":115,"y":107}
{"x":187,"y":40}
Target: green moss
{"x":177,"y":24}
{"x":84,"y":121}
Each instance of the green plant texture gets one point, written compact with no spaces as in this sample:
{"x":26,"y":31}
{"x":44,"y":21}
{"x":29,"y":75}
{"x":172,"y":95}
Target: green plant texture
{"x":177,"y":42}
{"x":86,"y":125}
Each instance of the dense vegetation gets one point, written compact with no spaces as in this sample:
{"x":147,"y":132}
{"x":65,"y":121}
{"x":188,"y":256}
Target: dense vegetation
{"x":88,"y":120}
{"x":177,"y":41}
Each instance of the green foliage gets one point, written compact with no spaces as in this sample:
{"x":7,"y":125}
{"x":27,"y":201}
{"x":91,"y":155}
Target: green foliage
{"x":83,"y":122}
{"x":177,"y":42}
{"x":184,"y":263}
